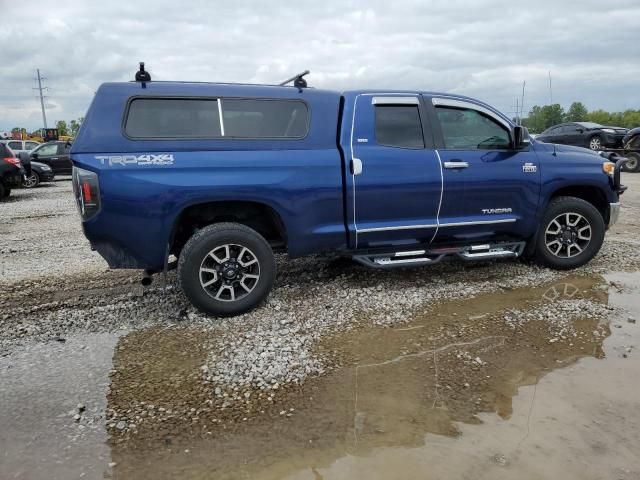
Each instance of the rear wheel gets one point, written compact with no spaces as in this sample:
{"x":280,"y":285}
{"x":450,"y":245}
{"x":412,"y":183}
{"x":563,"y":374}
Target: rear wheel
{"x":226,"y":269}
{"x":595,"y":143}
{"x":571,"y":233}
{"x":31,"y":181}
{"x":4,"y":192}
{"x":633,"y":162}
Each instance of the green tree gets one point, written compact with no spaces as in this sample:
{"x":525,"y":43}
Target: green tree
{"x":577,"y":112}
{"x":541,"y":118}
{"x":75,"y":126}
{"x":61,"y":125}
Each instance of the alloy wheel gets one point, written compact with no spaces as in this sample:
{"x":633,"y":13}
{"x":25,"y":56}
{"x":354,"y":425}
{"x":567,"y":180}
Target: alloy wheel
{"x":567,"y":235}
{"x":229,"y":272}
{"x":30,"y":181}
{"x":595,"y":144}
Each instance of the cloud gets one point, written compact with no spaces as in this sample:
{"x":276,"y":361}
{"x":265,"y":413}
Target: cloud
{"x":482,"y":49}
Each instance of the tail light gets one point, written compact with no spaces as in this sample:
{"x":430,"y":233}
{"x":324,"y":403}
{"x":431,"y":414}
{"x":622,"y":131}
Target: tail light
{"x":13,"y":161}
{"x":86,"y":189}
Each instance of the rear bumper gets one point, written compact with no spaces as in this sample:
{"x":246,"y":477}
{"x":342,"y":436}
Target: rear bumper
{"x":12,"y":180}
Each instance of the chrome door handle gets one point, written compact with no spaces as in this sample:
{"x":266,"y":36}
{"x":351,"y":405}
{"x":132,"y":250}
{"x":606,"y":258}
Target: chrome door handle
{"x":356,"y":166}
{"x":455,"y":164}
{"x":54,"y":158}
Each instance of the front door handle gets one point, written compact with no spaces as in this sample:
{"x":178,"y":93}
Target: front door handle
{"x":455,"y":164}
{"x":54,"y":158}
{"x":356,"y":166}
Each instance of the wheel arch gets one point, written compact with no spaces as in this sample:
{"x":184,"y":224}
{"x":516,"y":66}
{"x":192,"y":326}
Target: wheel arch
{"x":595,"y":195}
{"x":259,"y":216}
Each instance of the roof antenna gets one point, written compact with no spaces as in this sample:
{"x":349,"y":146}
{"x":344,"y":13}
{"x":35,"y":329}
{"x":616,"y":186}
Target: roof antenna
{"x":297,"y":80}
{"x":142,"y":75}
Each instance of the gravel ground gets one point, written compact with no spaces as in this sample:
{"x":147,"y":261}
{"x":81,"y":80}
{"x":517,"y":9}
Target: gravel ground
{"x":54,"y":286}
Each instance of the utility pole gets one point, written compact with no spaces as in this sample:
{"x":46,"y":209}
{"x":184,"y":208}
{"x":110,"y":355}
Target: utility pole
{"x":524,"y":82}
{"x":550,"y":90}
{"x":40,"y":88}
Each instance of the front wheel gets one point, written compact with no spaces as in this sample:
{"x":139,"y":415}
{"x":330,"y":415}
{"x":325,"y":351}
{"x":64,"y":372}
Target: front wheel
{"x":571,"y":233}
{"x":226,"y":269}
{"x":595,"y":143}
{"x":31,"y":181}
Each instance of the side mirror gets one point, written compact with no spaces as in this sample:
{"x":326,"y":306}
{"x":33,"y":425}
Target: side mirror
{"x":580,"y":130}
{"x":521,"y":140}
{"x":34,"y":156}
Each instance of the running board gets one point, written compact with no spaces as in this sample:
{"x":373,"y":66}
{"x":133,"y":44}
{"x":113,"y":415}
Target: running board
{"x":416,"y":258}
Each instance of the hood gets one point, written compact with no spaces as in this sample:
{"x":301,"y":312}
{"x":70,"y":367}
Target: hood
{"x":569,"y":151}
{"x":616,"y":129}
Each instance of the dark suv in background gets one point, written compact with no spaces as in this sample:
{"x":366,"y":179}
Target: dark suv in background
{"x":10,"y":171}
{"x":56,"y":155}
{"x":584,"y":134}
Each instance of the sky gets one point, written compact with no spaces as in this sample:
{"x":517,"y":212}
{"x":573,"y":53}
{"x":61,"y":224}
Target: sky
{"x":484,"y":49}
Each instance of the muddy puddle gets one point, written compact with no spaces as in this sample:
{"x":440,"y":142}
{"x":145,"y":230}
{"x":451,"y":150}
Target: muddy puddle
{"x":528,"y":382}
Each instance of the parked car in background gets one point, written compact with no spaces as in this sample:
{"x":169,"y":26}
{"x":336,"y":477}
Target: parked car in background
{"x":584,"y":134}
{"x":19,"y":146}
{"x":55,"y":155}
{"x":40,"y":173}
{"x":11,"y":171}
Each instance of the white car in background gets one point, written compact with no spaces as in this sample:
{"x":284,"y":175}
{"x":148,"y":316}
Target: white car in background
{"x":20,"y":145}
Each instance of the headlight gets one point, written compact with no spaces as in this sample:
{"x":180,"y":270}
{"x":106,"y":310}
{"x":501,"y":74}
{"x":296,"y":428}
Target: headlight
{"x":608,"y":168}
{"x":608,"y":130}
{"x":46,"y":169}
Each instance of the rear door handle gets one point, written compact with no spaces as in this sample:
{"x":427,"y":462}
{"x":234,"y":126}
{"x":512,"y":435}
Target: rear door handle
{"x":455,"y":164}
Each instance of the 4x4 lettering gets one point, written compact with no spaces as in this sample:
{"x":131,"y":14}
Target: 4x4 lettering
{"x":144,"y":159}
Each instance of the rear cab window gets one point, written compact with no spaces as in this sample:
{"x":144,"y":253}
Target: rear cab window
{"x":216,"y":118}
{"x":398,"y":126}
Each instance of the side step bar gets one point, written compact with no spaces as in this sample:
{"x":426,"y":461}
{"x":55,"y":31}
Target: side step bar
{"x":415,"y":258}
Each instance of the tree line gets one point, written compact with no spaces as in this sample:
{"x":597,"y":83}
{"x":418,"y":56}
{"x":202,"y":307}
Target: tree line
{"x":71,"y":129}
{"x":541,"y":118}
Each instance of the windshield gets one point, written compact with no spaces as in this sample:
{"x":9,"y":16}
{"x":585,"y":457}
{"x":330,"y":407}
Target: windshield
{"x":590,"y":125}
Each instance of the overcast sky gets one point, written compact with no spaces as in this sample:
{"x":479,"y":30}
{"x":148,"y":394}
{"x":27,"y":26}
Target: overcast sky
{"x":484,"y":49}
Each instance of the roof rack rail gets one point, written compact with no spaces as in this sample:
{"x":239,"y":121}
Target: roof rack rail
{"x":297,"y":80}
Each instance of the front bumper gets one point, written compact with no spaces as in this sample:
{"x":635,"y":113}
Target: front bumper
{"x":46,"y":176}
{"x":613,"y":140}
{"x":614,"y":213}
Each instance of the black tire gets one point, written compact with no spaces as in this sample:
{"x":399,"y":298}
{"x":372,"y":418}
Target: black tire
{"x":633,"y":162}
{"x":595,"y":143}
{"x":34,"y":180}
{"x":546,"y":244}
{"x":3,"y":191}
{"x":230,"y":238}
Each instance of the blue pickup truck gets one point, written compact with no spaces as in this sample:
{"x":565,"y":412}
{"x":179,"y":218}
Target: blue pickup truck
{"x":218,"y":177}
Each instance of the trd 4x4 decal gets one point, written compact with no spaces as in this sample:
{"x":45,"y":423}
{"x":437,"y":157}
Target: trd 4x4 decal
{"x":144,"y":159}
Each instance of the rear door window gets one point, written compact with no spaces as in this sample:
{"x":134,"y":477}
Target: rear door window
{"x":399,"y":126}
{"x":15,"y":145}
{"x":264,"y":118}
{"x":30,"y":145}
{"x":173,"y":118}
